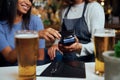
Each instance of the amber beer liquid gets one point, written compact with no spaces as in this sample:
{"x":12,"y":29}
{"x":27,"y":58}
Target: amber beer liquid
{"x":103,"y":42}
{"x":27,"y":50}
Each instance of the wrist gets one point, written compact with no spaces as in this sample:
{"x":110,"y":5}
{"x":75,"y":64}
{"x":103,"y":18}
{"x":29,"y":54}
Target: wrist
{"x":79,"y":47}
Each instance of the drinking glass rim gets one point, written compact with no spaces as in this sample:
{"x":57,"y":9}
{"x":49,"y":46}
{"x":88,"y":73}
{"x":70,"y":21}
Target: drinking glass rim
{"x":26,"y":34}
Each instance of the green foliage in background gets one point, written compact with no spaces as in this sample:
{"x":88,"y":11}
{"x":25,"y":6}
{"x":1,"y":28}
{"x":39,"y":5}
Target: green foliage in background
{"x":117,"y":49}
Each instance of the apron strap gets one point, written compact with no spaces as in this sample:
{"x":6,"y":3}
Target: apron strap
{"x":67,"y":11}
{"x":85,"y":5}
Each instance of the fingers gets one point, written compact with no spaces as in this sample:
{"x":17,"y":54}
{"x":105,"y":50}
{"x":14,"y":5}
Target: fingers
{"x":52,"y":51}
{"x":76,"y":39}
{"x":62,"y":48}
{"x":49,"y":34}
{"x":74,"y":47}
{"x":54,"y":33}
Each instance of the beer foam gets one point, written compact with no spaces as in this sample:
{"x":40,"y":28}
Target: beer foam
{"x":104,"y":35}
{"x":26,"y":36}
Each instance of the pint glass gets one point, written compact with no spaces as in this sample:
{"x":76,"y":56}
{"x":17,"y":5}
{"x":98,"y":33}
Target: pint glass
{"x":26,"y":43}
{"x":104,"y":40}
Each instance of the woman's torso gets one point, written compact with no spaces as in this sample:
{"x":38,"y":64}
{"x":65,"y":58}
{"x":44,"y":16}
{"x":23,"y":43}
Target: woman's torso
{"x":7,"y":35}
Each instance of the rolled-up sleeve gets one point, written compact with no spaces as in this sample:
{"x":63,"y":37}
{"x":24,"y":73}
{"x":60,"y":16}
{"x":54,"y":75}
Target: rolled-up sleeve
{"x":96,"y":20}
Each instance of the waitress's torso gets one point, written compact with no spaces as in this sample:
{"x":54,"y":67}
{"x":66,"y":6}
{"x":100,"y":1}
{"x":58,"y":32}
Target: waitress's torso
{"x":77,"y":22}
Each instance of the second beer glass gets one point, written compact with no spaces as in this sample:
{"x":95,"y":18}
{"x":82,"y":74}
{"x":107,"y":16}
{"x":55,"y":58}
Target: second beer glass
{"x":104,"y":40}
{"x":27,"y":50}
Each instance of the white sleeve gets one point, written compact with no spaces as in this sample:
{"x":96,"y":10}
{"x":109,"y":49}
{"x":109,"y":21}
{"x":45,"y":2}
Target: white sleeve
{"x":87,"y":49}
{"x":97,"y":17}
{"x":96,"y":20}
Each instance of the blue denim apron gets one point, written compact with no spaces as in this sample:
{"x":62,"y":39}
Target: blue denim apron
{"x":80,"y":28}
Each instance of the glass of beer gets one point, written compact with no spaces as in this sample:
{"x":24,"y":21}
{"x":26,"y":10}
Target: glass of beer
{"x":26,"y":43}
{"x":104,"y":40}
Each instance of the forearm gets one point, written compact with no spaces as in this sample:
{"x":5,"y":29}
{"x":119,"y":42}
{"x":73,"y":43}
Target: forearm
{"x":41,"y":54}
{"x":12,"y":56}
{"x":87,"y":49}
{"x":9,"y":55}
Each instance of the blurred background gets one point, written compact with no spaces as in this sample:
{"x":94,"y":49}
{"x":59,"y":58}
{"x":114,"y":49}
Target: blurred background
{"x":48,"y":10}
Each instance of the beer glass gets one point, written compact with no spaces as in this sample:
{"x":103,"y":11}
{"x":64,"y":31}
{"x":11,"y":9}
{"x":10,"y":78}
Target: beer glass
{"x":104,"y":40}
{"x":26,"y":43}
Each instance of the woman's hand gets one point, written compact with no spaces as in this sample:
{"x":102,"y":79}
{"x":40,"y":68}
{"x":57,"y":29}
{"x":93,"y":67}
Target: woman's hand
{"x":52,"y":50}
{"x":49,"y":34}
{"x":75,"y":47}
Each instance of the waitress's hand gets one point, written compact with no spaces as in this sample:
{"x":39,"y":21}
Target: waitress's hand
{"x":75,"y":47}
{"x":49,"y":34}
